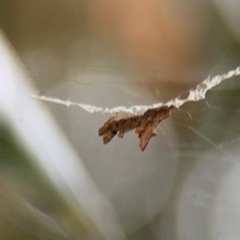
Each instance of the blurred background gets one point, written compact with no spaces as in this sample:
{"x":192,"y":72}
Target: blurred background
{"x":112,"y":53}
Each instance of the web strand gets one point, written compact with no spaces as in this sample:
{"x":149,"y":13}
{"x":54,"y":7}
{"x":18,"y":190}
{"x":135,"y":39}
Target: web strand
{"x":196,"y":94}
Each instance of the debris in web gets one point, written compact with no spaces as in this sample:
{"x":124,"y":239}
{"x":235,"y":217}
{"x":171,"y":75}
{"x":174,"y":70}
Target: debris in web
{"x":144,"y":119}
{"x":145,"y":125}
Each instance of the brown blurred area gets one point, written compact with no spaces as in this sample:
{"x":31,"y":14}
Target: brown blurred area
{"x":163,"y":40}
{"x":148,"y":30}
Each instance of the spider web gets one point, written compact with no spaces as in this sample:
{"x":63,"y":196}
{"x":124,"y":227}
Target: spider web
{"x":205,"y":121}
{"x":196,"y":94}
{"x":213,"y":120}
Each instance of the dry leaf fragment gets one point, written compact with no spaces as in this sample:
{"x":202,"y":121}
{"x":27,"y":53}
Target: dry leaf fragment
{"x":145,"y":125}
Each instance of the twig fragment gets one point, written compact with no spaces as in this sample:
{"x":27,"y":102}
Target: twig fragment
{"x":145,"y":125}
